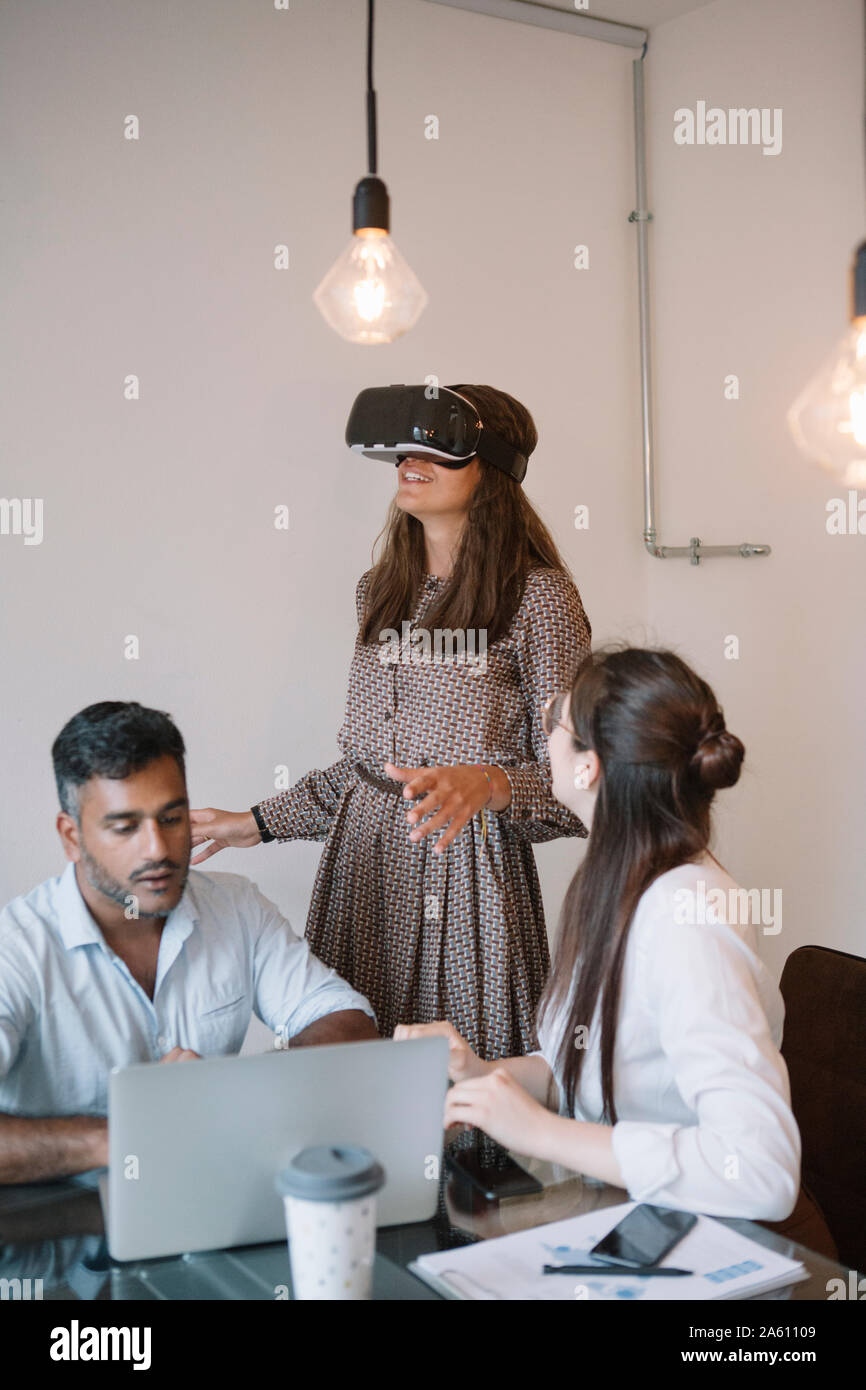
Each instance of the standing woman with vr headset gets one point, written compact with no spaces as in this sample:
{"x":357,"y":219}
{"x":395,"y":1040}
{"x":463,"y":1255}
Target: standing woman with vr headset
{"x":427,"y":896}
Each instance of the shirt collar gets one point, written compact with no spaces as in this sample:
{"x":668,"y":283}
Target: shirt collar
{"x":77,"y":927}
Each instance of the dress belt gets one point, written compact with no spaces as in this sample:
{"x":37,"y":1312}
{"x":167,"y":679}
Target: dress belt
{"x":387,"y":784}
{"x":384,"y":784}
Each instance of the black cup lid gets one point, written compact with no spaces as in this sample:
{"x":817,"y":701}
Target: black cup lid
{"x":331,"y":1173}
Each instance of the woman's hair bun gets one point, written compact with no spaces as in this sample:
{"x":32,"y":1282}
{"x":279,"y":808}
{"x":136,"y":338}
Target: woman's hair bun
{"x":718,"y":758}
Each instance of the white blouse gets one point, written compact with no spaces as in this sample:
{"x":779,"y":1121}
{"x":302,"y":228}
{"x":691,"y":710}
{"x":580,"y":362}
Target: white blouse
{"x":701,"y":1090}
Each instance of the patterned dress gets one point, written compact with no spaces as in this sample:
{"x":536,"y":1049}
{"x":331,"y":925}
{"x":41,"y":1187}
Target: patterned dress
{"x":461,"y":935}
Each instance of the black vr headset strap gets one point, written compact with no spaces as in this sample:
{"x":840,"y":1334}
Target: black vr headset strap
{"x":494,"y":449}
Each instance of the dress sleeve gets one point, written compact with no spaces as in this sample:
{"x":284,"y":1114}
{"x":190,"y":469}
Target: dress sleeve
{"x":554,"y":639}
{"x":742,"y":1156}
{"x":306,"y":810}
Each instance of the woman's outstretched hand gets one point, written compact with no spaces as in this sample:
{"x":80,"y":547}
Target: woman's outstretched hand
{"x":462,"y":1061}
{"x":225,"y":829}
{"x":452,"y":796}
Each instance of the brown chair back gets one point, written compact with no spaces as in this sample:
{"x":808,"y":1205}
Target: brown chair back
{"x":824,"y":1047}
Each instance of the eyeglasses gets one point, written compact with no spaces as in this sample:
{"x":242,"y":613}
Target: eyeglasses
{"x":550,"y":715}
{"x":550,"y":718}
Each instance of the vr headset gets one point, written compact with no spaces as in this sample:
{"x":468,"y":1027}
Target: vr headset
{"x":398,"y":422}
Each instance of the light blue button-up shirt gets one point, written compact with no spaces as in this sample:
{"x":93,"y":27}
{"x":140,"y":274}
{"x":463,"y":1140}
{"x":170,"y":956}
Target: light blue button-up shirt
{"x":70,"y":1009}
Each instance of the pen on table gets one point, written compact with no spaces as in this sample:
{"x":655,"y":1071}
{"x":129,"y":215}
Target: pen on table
{"x":617,"y":1270}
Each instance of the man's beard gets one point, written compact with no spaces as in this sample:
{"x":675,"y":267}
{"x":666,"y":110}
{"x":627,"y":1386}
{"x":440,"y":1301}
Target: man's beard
{"x":102,"y":881}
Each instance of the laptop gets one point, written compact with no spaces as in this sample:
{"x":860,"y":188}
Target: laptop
{"x":194,"y":1147}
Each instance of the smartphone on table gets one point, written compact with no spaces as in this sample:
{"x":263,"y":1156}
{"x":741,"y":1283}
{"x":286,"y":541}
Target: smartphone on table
{"x":489,"y":1168}
{"x":644,"y":1237}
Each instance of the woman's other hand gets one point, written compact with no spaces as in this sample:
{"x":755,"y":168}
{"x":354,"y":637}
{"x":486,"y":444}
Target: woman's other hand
{"x":497,"y":1104}
{"x":462,"y":1061}
{"x":454,"y":794}
{"x":225,"y":829}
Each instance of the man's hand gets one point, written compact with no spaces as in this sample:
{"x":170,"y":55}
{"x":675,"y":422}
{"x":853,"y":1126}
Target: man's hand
{"x":180,"y":1054}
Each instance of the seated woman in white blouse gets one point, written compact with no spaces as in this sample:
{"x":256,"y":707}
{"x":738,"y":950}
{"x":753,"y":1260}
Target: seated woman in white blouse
{"x":677,"y":1090}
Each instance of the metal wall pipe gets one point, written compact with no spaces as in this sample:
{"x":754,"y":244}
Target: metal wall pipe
{"x":585,"y":26}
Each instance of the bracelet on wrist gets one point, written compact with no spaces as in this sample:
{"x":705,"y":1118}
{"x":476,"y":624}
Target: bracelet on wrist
{"x":489,"y":783}
{"x":260,"y":822}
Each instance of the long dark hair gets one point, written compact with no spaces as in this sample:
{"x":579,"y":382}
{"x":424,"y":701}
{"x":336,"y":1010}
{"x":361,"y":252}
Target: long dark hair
{"x":504,"y":537}
{"x":660,"y":737}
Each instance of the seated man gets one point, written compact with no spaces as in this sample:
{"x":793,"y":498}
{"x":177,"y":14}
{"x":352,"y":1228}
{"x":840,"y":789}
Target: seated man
{"x":128,"y":956}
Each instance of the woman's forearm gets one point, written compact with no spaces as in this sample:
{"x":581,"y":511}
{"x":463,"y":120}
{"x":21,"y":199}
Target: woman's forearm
{"x":581,"y":1146}
{"x":535,"y":1076}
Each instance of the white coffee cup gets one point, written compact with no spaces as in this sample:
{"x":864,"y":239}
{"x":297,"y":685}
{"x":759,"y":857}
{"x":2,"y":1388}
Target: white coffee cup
{"x":330,"y":1200}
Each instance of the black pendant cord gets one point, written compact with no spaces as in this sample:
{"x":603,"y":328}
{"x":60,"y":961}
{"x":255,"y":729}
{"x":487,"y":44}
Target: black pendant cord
{"x":371,"y":206}
{"x":371,"y":95}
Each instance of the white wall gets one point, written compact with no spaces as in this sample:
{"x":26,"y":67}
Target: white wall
{"x":155,"y":257}
{"x":750,"y":257}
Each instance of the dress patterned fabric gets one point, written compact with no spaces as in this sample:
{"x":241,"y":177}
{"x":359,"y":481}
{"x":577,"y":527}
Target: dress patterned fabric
{"x":458,"y":936}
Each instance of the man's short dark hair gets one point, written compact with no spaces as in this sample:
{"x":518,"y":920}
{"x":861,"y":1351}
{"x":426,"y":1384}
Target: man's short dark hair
{"x":111,"y":739}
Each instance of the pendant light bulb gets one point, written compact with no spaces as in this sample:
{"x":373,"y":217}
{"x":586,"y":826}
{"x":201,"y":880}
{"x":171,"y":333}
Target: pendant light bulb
{"x":828,"y":418}
{"x":370,"y":295}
